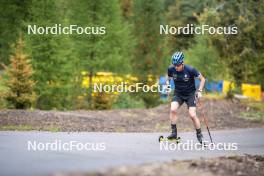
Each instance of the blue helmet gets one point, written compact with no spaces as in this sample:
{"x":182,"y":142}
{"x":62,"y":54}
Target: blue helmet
{"x":177,"y":58}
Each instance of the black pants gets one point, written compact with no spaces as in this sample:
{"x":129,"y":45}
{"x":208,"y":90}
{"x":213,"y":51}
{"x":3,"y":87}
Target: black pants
{"x":189,"y":99}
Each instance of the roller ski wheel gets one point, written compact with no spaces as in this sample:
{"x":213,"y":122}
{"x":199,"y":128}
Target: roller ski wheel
{"x":164,"y":139}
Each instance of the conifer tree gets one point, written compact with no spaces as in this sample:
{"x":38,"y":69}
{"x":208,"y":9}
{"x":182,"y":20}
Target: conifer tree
{"x":12,"y":15}
{"x":149,"y":57}
{"x":242,"y":52}
{"x":108,"y":52}
{"x":52,"y":58}
{"x":20,"y":94}
{"x":179,"y":14}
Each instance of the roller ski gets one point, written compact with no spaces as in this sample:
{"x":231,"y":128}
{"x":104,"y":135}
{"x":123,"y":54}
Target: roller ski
{"x":170,"y":138}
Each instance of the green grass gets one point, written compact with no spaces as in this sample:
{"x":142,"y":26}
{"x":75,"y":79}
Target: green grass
{"x":214,"y":96}
{"x":254,"y":116}
{"x":256,"y":105}
{"x":53,"y":129}
{"x":161,"y":127}
{"x":28,"y":128}
{"x":258,"y":110}
{"x":16,"y":128}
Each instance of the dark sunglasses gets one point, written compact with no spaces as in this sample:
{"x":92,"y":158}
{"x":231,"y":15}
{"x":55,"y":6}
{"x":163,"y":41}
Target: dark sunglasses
{"x":178,"y":65}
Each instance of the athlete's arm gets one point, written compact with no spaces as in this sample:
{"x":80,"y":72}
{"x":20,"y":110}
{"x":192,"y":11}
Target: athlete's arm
{"x":198,"y":75}
{"x":168,"y":78}
{"x":202,"y":82}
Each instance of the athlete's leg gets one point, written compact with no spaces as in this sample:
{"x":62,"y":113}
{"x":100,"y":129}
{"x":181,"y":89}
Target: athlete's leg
{"x":196,"y":123}
{"x":192,"y":113}
{"x":193,"y":116}
{"x":173,"y":112}
{"x":175,"y":104}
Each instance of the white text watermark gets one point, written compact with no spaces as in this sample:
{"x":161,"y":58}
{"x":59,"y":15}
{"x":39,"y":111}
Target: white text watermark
{"x":124,"y":87}
{"x":58,"y":29}
{"x":58,"y":145}
{"x":190,"y":29}
{"x":191,"y":145}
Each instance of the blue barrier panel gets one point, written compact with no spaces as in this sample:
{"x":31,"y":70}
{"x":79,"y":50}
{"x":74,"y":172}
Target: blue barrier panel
{"x":215,"y":86}
{"x":172,"y":84}
{"x":208,"y":86}
{"x":219,"y":87}
{"x":162,"y":80}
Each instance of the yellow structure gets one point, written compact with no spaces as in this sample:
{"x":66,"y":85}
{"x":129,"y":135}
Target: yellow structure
{"x":110,"y":78}
{"x":106,"y":77}
{"x":227,"y":85}
{"x":252,"y":91}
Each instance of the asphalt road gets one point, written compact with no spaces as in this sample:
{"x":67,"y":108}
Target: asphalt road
{"x":104,"y":150}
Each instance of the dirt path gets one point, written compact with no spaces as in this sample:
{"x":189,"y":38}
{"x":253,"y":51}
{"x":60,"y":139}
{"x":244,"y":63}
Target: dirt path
{"x":231,"y":166}
{"x":222,"y":114}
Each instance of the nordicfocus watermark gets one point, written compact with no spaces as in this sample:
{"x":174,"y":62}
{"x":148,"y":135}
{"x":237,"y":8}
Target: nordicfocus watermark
{"x":58,"y":145}
{"x":200,"y":30}
{"x":191,"y":145}
{"x":124,"y":87}
{"x":58,"y":29}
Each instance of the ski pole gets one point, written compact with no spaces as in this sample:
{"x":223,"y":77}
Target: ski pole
{"x":205,"y":119}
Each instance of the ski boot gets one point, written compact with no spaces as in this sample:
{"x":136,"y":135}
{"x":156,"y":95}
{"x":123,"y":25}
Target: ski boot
{"x":200,"y":138}
{"x":172,"y":136}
